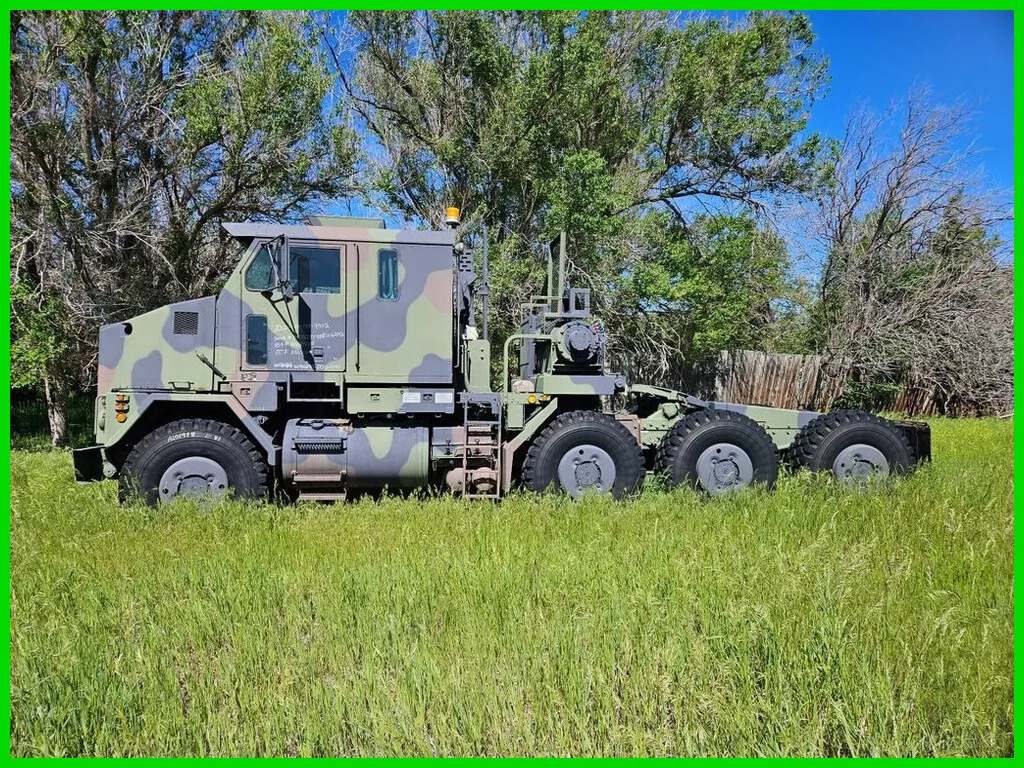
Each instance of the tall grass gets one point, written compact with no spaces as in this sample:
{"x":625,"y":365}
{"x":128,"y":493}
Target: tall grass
{"x":811,"y":621}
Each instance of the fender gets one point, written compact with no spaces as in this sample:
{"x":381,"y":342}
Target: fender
{"x":140,"y":401}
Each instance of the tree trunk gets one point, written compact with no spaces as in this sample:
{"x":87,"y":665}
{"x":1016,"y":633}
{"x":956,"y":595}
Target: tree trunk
{"x":57,"y":409}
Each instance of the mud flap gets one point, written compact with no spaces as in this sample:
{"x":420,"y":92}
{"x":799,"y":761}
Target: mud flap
{"x":920,"y":436}
{"x":88,"y":463}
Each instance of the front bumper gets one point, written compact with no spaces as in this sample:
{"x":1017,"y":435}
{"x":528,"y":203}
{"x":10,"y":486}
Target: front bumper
{"x":88,"y":463}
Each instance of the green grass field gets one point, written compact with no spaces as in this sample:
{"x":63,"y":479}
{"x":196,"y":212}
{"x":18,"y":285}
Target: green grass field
{"x":811,"y":621}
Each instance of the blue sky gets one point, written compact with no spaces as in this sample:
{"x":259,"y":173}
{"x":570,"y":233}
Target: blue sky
{"x":879,"y":56}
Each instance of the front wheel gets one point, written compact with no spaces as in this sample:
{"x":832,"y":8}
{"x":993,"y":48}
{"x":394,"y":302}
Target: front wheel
{"x":193,"y":457}
{"x":581,"y":452}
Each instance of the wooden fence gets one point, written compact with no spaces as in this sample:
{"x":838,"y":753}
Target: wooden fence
{"x":780,"y":381}
{"x":814,"y":383}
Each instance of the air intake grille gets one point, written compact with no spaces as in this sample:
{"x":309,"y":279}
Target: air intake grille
{"x":186,"y":323}
{"x":319,"y":446}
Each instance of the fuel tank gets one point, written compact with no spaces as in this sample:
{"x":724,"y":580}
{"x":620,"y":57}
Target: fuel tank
{"x":323,"y":455}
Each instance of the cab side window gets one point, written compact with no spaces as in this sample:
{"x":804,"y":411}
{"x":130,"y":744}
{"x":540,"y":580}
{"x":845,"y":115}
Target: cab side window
{"x":256,"y":339}
{"x":387,"y":274}
{"x":260,"y":274}
{"x":315,"y":270}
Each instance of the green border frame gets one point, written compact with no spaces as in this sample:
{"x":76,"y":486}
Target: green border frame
{"x":852,"y":5}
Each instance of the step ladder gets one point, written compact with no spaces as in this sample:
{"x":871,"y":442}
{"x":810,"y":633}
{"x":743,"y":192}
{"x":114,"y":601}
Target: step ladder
{"x":481,"y":418}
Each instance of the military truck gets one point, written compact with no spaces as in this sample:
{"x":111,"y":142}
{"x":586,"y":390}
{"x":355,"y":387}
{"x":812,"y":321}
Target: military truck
{"x":341,"y":356}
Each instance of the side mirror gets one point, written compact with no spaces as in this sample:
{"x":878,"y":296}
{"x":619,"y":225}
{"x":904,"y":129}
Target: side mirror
{"x":277,"y":247}
{"x":275,"y":260}
{"x":264,"y":273}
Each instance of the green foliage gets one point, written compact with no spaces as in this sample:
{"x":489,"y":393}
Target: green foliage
{"x":812,"y":621}
{"x":133,"y":134}
{"x":791,"y":330}
{"x":37,"y":342}
{"x":617,"y":127}
{"x":717,"y":277}
{"x":739,"y":95}
{"x":582,"y":196}
{"x":710,"y":108}
{"x":263,"y":117}
{"x":867,"y":395}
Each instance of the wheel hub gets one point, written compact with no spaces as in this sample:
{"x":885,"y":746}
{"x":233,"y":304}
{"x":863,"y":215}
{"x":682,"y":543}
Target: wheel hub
{"x":859,"y":463}
{"x":586,"y":468}
{"x":587,"y":474}
{"x":193,"y":476}
{"x":724,"y":467}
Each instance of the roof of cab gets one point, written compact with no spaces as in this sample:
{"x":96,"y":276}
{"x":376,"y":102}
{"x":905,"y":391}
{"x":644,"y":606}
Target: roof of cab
{"x":246,"y":231}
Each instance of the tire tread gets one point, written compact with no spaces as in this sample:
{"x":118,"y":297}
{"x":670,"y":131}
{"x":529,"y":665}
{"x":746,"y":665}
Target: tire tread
{"x":230,"y":433}
{"x":809,"y":439}
{"x":680,"y":433}
{"x":531,"y":463}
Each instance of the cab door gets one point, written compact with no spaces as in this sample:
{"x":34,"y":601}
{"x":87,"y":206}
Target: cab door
{"x":316,"y":274}
{"x":297,"y":324}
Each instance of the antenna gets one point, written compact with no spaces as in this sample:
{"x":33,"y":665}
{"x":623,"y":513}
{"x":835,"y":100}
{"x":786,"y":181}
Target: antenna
{"x":551,"y":273}
{"x":561,"y":267}
{"x":485,"y":289}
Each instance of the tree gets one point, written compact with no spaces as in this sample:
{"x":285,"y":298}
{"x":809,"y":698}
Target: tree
{"x":692,"y":293}
{"x":628,"y":130}
{"x":132,"y":135}
{"x":917,"y":285}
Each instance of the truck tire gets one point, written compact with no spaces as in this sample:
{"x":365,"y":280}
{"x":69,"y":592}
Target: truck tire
{"x":193,"y":457}
{"x":582,"y":451}
{"x":718,"y":452}
{"x":853,"y":446}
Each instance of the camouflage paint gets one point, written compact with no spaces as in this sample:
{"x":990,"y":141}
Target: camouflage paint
{"x":388,"y":369}
{"x":320,"y":454}
{"x":113,"y":431}
{"x":406,"y":340}
{"x":145,"y":352}
{"x":388,"y":456}
{"x":781,"y":424}
{"x":196,"y":350}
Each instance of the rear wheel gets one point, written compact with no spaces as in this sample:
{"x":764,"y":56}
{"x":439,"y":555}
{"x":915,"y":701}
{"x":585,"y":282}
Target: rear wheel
{"x":193,"y":457}
{"x":855,"y":446}
{"x":584,"y":451}
{"x":718,"y":452}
